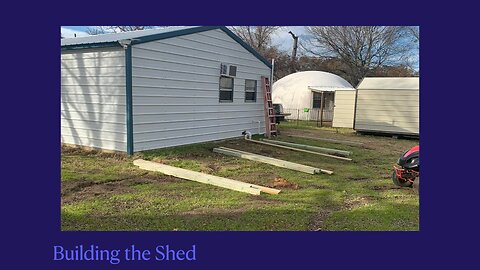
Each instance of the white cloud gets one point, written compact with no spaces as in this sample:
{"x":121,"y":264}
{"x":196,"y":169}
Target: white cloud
{"x":69,"y":33}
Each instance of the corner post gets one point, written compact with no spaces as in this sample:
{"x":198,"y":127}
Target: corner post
{"x":129,"y":98}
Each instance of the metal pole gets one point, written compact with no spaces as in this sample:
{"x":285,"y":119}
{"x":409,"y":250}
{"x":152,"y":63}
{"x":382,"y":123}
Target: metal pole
{"x":294,"y":51}
{"x":321,"y":109}
{"x":273,"y":70}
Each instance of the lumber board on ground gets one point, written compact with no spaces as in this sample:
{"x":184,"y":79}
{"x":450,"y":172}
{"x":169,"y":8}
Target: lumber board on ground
{"x":271,"y":161}
{"x":204,"y":178}
{"x":351,"y":143}
{"x":311,"y":148}
{"x":300,"y":150}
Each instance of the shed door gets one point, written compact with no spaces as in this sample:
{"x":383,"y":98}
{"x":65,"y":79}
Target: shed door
{"x":328,"y":101}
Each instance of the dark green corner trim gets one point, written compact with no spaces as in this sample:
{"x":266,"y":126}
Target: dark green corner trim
{"x":355,"y":110}
{"x":129,"y":98}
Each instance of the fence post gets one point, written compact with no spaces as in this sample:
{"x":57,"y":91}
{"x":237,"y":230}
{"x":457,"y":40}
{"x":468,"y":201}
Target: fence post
{"x":321,"y":108}
{"x":298,"y":115}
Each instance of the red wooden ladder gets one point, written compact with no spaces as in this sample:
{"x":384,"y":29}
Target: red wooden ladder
{"x":270,"y":125}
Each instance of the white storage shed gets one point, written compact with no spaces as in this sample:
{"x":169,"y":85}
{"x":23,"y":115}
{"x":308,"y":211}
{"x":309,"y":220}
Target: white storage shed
{"x":388,"y":105}
{"x":157,"y":88}
{"x":306,"y":94}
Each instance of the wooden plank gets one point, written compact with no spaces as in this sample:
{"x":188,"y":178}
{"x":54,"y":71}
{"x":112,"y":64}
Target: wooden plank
{"x":301,"y":150}
{"x":351,"y":143}
{"x":311,"y":148}
{"x":271,"y":161}
{"x":204,"y":178}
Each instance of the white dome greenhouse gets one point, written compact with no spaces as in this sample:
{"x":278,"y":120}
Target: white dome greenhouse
{"x":316,"y":95}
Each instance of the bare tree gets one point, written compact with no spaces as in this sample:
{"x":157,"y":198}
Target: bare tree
{"x":415,"y":33}
{"x":259,"y":37}
{"x":360,"y":48}
{"x":96,"y":30}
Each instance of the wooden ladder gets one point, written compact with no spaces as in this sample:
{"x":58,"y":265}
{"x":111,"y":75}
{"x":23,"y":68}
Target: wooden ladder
{"x":270,"y":125}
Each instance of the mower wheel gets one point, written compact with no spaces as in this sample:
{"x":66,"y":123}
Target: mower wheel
{"x":399,"y":182}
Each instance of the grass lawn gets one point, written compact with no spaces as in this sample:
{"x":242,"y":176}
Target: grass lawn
{"x":103,"y":191}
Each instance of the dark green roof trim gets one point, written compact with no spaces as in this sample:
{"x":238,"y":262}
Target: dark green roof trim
{"x":90,"y":46}
{"x":176,"y":33}
{"x":129,"y":98}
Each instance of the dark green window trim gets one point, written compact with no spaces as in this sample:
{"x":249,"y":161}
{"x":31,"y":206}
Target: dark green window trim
{"x":129,"y":98}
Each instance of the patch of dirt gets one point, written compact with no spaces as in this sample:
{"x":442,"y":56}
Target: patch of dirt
{"x":356,"y":202}
{"x":279,"y":182}
{"x":82,"y":151}
{"x":317,"y":186}
{"x":358,"y":178}
{"x":79,"y":190}
{"x":266,"y":152}
{"x":318,"y":219}
{"x":213,"y":168}
{"x":393,"y":187}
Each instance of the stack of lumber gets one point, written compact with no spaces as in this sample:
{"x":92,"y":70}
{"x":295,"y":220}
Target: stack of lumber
{"x":271,"y":161}
{"x":284,"y":146}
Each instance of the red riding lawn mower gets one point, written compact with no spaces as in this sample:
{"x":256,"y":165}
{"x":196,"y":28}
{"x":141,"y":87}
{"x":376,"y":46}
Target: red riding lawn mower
{"x":407,"y":168}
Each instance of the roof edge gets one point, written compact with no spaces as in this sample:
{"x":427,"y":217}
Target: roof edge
{"x":90,"y":46}
{"x":172,"y":34}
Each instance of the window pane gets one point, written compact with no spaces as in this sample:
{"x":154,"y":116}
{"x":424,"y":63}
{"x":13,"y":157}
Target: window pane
{"x":250,"y":84}
{"x":316,"y":104}
{"x":226,"y":82}
{"x":250,"y":96}
{"x":226,"y":95}
{"x":233,"y":71}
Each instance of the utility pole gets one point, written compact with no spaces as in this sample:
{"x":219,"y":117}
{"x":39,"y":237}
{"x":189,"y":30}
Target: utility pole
{"x":294,"y":51}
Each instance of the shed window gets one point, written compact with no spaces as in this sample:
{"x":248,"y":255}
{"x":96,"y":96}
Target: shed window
{"x":233,"y":71}
{"x":226,"y":88}
{"x":251,"y":90}
{"x":317,"y":100}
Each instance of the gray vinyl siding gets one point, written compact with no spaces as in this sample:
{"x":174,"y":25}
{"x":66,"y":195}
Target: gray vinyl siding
{"x":176,"y":91}
{"x":388,"y":110}
{"x":93,"y":98}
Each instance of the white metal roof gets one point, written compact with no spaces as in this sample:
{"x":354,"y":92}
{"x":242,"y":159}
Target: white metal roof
{"x":115,"y":37}
{"x":314,"y":81}
{"x":390,"y":83}
{"x":295,"y":90}
{"x":328,"y":88}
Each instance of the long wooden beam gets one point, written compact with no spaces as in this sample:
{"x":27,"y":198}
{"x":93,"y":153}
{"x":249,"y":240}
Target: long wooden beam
{"x":204,"y":178}
{"x":271,"y":161}
{"x":300,"y":150}
{"x":351,"y":143}
{"x":311,"y":148}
